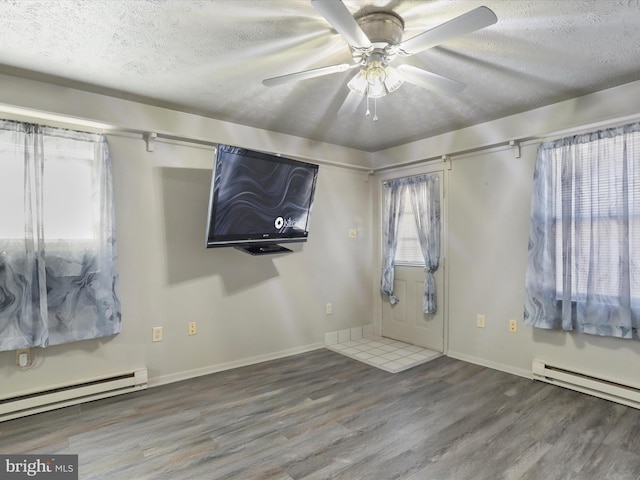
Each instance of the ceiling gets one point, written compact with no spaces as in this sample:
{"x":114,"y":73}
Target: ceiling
{"x":209,"y":58}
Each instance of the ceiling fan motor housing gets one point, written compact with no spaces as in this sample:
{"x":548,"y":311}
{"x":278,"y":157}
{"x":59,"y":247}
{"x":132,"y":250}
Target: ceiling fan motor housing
{"x":384,"y":30}
{"x":382,"y":27}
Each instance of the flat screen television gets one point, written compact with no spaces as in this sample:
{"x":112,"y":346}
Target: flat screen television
{"x":259,"y":200}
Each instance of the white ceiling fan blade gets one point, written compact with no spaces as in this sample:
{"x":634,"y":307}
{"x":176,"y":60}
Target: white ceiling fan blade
{"x":429,"y":80}
{"x":304,"y":75}
{"x":476,"y":19}
{"x":341,"y":19}
{"x":350,"y":103}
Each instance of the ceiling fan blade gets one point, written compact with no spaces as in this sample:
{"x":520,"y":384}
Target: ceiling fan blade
{"x":429,"y":80}
{"x":476,"y":19}
{"x":350,"y":103}
{"x":341,"y":19}
{"x":304,"y":75}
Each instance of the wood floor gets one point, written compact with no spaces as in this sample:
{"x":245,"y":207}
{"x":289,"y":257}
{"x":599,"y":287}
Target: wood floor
{"x":321,"y":415}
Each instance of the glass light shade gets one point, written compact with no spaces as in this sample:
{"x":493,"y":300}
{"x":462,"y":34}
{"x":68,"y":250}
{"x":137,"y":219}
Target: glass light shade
{"x":376,"y":90}
{"x":393,"y":79}
{"x":358,"y":84}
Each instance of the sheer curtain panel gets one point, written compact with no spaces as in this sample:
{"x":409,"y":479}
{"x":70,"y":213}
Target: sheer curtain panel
{"x":58,"y":275}
{"x":393,"y":204}
{"x":583,"y":270}
{"x":425,"y":199}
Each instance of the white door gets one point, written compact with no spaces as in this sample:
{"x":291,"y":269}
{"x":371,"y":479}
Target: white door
{"x":405,"y":321}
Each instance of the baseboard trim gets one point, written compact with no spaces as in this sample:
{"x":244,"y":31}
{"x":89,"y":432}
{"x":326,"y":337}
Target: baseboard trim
{"x":521,"y":372}
{"x":199,"y":372}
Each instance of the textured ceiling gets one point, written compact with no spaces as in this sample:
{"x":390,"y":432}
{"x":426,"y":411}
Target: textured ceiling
{"x":209,"y":57}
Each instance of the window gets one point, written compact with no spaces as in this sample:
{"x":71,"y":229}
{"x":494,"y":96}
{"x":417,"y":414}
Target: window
{"x":595,"y":221}
{"x":583,"y":269}
{"x":58,"y":273}
{"x":408,"y":251}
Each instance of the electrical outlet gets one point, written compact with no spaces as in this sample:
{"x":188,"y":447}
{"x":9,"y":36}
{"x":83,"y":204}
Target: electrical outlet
{"x":513,"y":326}
{"x":23,"y":357}
{"x":480,"y":321}
{"x":193,"y":329}
{"x":328,"y":309}
{"x":156,"y":335}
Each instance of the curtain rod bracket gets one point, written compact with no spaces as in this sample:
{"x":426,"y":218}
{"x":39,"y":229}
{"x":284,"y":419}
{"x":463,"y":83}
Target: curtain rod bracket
{"x":447,"y":159}
{"x":150,"y":138}
{"x":515,"y":145}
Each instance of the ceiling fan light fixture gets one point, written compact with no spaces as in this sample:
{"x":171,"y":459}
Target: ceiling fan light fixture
{"x":375,"y":80}
{"x":376,"y":77}
{"x":371,"y":81}
{"x":376,"y":72}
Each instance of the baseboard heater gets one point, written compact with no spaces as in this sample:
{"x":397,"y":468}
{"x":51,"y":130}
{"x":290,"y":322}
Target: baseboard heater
{"x":612,"y":390}
{"x":64,"y":395}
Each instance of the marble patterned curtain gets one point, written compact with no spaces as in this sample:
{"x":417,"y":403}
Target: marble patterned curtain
{"x":393,"y":204}
{"x":425,"y":200}
{"x":58,"y":275}
{"x":583,"y":269}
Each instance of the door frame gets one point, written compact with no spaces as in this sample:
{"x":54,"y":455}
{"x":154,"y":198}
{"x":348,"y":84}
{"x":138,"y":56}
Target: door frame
{"x":400,"y":172}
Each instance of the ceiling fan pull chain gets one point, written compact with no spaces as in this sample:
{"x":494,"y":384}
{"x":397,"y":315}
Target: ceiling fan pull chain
{"x":368,"y":112}
{"x":375,"y":109}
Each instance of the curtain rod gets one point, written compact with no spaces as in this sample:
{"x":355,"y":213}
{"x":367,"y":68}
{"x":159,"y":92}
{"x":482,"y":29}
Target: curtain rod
{"x":387,"y":182}
{"x":11,"y":112}
{"x":65,"y":121}
{"x":517,"y":143}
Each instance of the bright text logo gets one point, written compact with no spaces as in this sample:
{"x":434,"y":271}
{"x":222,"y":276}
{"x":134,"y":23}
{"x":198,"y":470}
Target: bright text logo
{"x":49,"y":467}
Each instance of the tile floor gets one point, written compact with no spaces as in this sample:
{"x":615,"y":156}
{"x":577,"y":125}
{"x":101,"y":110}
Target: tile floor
{"x":385,"y":353}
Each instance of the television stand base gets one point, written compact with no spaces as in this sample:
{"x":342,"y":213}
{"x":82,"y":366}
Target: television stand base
{"x":263,"y":249}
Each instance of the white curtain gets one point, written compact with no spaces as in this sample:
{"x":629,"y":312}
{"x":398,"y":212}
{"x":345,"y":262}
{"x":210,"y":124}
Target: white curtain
{"x":393,"y":204}
{"x":58,"y":275}
{"x":583,"y":270}
{"x":425,"y":200}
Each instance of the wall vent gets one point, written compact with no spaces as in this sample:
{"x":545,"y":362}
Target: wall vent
{"x":608,"y":389}
{"x":58,"y":396}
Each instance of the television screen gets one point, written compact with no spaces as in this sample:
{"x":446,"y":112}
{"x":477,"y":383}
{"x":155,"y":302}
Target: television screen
{"x":259,"y":199}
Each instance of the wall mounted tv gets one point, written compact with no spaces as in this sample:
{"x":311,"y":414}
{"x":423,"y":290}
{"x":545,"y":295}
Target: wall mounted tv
{"x":259,"y":200}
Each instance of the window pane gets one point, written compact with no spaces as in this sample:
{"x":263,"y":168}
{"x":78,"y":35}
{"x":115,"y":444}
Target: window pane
{"x":67,"y":199}
{"x":69,"y":210}
{"x":590,"y":212}
{"x":408,"y":252}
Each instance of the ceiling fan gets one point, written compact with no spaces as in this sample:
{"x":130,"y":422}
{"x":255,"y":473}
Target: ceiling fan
{"x":375,"y":40}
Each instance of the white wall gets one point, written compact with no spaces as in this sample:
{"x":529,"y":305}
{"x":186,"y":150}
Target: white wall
{"x":247,"y":308}
{"x":489,"y":204}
